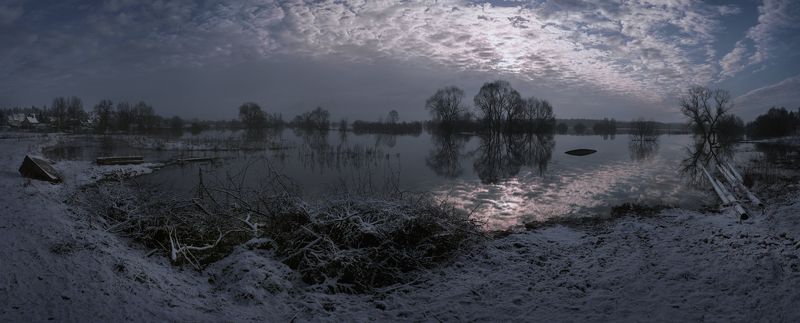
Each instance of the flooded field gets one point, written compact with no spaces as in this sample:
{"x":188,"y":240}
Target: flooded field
{"x":506,"y":180}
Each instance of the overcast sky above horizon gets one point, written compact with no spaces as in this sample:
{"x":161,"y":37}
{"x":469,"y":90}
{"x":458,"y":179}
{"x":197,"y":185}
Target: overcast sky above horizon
{"x":360,"y":59}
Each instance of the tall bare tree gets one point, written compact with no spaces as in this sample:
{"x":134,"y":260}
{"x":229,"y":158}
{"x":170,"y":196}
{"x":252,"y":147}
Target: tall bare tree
{"x":124,"y":117}
{"x":500,"y":104}
{"x":103,"y":111}
{"x":704,"y":108}
{"x":445,"y":105}
{"x":59,"y":111}
{"x":252,"y":116}
{"x":393,"y":117}
{"x":538,"y":115}
{"x":75,"y":112}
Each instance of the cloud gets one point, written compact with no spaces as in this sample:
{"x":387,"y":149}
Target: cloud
{"x":776,"y":18}
{"x":10,"y":12}
{"x":645,"y":50}
{"x":785,"y":93}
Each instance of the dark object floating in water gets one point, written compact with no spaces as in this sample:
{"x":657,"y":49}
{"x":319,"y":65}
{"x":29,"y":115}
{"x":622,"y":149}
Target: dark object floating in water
{"x":37,"y":168}
{"x":120,"y":160}
{"x":580,"y":152}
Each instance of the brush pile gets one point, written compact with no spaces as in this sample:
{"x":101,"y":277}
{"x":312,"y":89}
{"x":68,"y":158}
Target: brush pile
{"x":347,"y":243}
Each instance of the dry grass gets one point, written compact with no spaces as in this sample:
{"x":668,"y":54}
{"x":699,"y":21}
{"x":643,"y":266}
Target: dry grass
{"x":346,"y":243}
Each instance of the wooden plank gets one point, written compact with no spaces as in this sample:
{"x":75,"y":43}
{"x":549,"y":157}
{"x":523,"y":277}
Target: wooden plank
{"x":120,"y":160}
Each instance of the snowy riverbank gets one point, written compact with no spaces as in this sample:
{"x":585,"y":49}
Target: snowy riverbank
{"x":674,"y":266}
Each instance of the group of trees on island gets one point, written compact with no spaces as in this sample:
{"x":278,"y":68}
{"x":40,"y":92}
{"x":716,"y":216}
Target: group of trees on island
{"x":498,"y":108}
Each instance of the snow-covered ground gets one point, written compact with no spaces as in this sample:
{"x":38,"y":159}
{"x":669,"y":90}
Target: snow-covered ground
{"x":675,"y":266}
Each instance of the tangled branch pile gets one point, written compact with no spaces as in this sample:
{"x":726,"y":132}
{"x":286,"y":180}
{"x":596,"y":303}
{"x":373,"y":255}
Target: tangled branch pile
{"x":343,"y":244}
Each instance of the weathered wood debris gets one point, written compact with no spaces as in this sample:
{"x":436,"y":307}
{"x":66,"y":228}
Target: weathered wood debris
{"x":728,"y":193}
{"x":120,"y":160}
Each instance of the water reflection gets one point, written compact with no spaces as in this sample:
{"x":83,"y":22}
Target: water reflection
{"x":318,"y":155}
{"x":508,"y":180}
{"x":642,"y":149}
{"x":500,"y":156}
{"x":445,"y":156}
{"x":702,"y":155}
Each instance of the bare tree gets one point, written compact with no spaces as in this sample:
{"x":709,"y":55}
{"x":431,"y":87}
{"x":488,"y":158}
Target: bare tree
{"x":252,"y":116}
{"x":103,"y":111}
{"x":644,"y":130}
{"x":393,"y":117}
{"x":704,"y":108}
{"x":124,"y":117}
{"x":59,"y":109}
{"x":445,"y":105}
{"x":500,"y":104}
{"x":144,"y":116}
{"x":75,"y":112}
{"x":539,"y":115}
{"x":316,"y":119}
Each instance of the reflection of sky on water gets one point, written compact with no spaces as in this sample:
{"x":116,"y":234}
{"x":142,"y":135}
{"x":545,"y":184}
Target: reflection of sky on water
{"x":579,"y":186}
{"x":510,"y":180}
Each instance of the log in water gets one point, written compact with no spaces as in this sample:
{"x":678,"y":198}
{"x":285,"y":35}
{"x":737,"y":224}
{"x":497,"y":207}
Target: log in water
{"x":120,"y":160}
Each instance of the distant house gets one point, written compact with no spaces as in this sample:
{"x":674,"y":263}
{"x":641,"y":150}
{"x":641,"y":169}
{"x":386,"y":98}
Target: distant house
{"x":21,"y":120}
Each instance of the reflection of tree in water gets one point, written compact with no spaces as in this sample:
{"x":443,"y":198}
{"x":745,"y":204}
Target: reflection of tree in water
{"x":642,"y":149}
{"x":388,"y":140}
{"x":316,"y":153}
{"x":445,"y":157}
{"x":538,"y":151}
{"x":314,"y":139}
{"x":260,"y":134}
{"x":501,"y":156}
{"x":704,"y":155}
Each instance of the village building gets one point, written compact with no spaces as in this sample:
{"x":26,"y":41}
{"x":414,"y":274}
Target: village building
{"x":21,"y":120}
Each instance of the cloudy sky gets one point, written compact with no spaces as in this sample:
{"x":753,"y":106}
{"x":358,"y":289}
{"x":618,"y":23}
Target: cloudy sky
{"x":360,"y":59}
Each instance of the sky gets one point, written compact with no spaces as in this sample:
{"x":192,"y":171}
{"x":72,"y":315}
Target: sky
{"x":360,"y":59}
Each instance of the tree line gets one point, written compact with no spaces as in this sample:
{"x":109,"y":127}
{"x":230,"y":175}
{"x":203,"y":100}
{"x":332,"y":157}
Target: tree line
{"x":498,"y":107}
{"x":69,"y":113}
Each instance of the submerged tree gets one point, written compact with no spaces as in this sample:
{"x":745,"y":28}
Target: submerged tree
{"x":539,"y":116}
{"x":393,"y":117}
{"x":501,"y":105}
{"x":643,"y":130}
{"x":704,"y":108}
{"x":316,"y":119}
{"x":252,"y":116}
{"x":605,"y":127}
{"x":445,"y":105}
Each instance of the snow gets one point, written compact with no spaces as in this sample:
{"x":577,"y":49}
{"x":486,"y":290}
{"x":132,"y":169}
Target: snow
{"x":678,"y":265}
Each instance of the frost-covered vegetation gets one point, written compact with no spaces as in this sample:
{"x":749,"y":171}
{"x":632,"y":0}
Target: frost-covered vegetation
{"x":351,"y":242}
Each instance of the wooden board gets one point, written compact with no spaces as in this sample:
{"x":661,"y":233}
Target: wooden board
{"x":120,"y":160}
